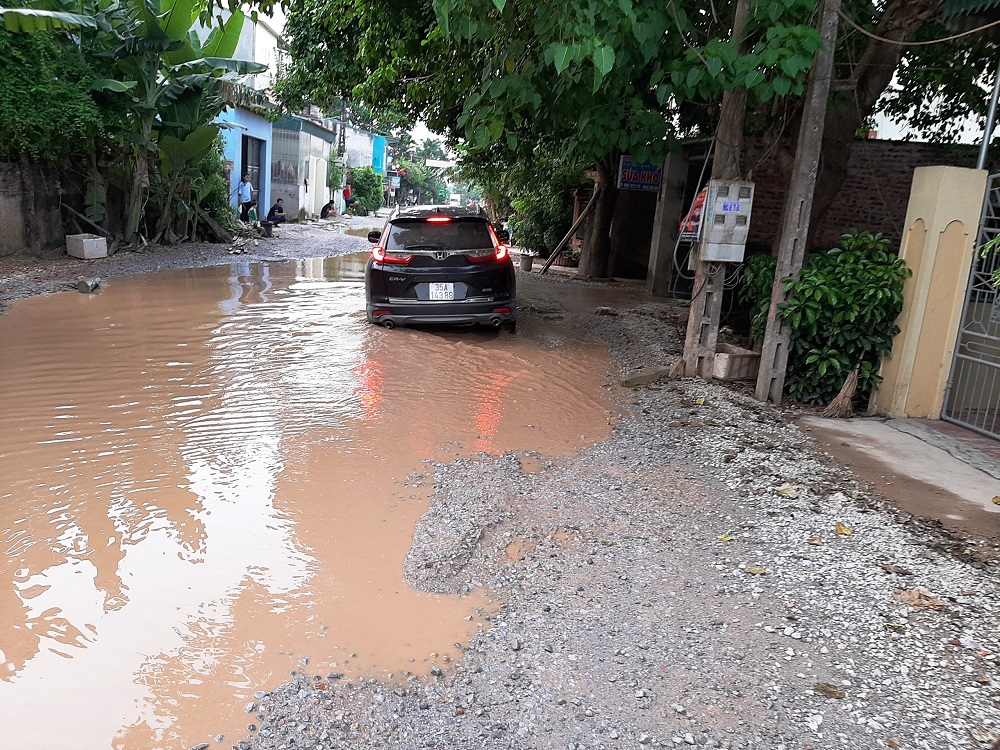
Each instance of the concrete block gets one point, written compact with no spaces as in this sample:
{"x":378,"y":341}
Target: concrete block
{"x":735,"y":363}
{"x":86,"y":246}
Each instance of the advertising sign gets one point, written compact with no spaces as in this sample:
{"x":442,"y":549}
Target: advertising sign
{"x":633,"y":175}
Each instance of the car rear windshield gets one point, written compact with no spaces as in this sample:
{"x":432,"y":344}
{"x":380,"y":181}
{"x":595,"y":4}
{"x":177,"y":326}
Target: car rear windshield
{"x":457,"y":234}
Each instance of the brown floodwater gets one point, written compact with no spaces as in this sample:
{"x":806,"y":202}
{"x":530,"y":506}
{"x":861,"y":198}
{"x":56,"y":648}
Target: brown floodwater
{"x":212,"y":475}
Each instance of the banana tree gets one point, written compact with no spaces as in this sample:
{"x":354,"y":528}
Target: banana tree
{"x":160,"y":52}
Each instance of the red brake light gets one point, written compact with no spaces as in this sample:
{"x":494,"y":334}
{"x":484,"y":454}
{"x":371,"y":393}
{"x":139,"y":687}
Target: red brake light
{"x":379,"y":255}
{"x":501,"y":252}
{"x":438,"y":219}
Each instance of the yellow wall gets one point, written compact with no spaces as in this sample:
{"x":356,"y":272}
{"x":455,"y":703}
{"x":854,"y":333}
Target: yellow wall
{"x":941,"y":220}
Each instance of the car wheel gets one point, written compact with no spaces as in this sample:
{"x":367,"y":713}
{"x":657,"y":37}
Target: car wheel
{"x":511,"y":325}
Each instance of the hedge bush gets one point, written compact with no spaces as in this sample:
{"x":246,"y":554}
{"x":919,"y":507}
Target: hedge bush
{"x":842,"y":313}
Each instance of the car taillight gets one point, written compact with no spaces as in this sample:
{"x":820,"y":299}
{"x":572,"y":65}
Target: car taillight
{"x":438,"y":219}
{"x":379,"y":255}
{"x":502,"y":252}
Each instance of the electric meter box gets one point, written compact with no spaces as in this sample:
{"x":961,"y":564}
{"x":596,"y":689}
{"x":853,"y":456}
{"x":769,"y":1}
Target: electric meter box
{"x":726,"y":221}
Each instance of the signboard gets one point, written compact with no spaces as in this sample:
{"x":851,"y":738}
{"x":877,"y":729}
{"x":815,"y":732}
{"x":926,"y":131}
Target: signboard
{"x":691,"y":226}
{"x":635,"y":176}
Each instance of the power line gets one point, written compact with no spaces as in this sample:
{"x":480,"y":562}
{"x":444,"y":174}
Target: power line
{"x":914,"y":44}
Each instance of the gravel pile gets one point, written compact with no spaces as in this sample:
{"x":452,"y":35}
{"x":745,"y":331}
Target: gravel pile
{"x":706,"y":577}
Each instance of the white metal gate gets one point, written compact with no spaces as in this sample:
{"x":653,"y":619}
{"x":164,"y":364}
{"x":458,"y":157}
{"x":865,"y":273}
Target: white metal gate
{"x":973,"y":395}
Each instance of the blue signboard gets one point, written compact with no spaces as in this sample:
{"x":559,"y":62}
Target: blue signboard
{"x":635,"y":176}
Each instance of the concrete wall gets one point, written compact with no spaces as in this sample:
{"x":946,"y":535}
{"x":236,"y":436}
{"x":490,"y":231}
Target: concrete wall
{"x":247,"y":123}
{"x":30,"y":220}
{"x":942,"y":220}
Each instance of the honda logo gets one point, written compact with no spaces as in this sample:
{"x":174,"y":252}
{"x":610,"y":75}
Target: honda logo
{"x":440,"y":255}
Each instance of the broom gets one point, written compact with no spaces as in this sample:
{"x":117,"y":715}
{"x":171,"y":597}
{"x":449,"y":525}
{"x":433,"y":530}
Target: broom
{"x":843,"y":405}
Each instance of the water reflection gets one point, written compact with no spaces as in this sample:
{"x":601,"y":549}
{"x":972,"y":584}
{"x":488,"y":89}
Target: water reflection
{"x":205,"y":485}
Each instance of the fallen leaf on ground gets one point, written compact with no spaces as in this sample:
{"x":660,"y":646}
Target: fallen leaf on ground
{"x":788,"y":490}
{"x":843,"y":530}
{"x":996,"y":499}
{"x":895,"y":569}
{"x":918,"y":599}
{"x":828,"y":691}
{"x":815,"y":541}
{"x":700,"y":401}
{"x":724,"y":538}
{"x":754,"y":571}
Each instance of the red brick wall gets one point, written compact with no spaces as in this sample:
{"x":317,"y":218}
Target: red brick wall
{"x":874,"y":195}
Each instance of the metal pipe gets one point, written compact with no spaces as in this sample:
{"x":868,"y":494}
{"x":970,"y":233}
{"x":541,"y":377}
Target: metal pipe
{"x":990,"y":120}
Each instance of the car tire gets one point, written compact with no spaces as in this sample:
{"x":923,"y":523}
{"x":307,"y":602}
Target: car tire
{"x":511,"y":326}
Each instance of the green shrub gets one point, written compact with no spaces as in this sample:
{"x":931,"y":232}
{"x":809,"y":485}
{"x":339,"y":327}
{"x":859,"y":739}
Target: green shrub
{"x":212,"y":187}
{"x":842,"y":313}
{"x":544,"y":215}
{"x":367,"y":189}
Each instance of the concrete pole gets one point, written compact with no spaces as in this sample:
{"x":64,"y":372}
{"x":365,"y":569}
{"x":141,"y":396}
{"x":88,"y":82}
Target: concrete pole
{"x":709,"y":278}
{"x":990,"y":121}
{"x":798,"y":206}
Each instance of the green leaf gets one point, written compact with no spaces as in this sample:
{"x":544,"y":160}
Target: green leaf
{"x":754,"y":78}
{"x":500,"y":4}
{"x":604,"y":60}
{"x":29,"y":20}
{"x":714,"y":65}
{"x":496,"y":130}
{"x":108,"y":84}
{"x":560,"y":56}
{"x":178,"y":16}
{"x":223,"y":40}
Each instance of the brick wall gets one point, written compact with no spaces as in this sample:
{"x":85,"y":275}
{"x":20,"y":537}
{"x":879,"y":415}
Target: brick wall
{"x":874,"y":196}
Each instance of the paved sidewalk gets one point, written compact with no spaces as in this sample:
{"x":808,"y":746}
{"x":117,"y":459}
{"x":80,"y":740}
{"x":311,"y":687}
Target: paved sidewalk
{"x":921,"y":467}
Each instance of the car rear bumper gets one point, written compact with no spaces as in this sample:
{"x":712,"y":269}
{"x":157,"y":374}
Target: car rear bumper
{"x":494,"y":313}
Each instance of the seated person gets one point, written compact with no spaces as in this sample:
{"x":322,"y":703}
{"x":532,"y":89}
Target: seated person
{"x":327,"y":211}
{"x":251,"y":209}
{"x":277,"y":213}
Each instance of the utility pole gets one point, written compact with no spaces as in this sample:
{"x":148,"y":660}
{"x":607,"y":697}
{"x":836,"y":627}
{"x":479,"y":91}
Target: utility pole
{"x":709,"y":278}
{"x":798,"y":206}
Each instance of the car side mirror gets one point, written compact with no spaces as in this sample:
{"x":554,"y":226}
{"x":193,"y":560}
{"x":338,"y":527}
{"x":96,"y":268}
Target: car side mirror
{"x":374,"y":237}
{"x":503,"y":235}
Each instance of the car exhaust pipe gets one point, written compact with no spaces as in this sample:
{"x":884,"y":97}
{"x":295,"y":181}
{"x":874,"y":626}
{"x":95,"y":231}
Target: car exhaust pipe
{"x":389,"y":324}
{"x":496,"y":322}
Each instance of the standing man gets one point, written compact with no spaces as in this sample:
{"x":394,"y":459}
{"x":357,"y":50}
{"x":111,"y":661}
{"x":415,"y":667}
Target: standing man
{"x":245,"y":190}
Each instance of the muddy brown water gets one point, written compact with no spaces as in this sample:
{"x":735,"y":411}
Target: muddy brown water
{"x":213,"y":474}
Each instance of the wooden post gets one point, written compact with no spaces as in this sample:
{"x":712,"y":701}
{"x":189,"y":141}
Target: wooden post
{"x":709,"y":278}
{"x":798,"y":206}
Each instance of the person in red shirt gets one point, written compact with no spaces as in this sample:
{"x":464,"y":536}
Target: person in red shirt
{"x":349,"y":200}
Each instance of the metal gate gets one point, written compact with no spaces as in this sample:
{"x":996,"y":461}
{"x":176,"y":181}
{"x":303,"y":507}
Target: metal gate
{"x":973,"y":395}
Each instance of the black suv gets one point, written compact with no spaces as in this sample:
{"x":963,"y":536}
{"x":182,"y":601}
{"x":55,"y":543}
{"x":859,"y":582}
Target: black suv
{"x":440,"y":264}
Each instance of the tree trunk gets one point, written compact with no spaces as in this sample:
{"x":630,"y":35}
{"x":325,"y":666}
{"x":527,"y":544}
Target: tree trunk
{"x":140,"y":181}
{"x":596,"y":250}
{"x":901,"y":20}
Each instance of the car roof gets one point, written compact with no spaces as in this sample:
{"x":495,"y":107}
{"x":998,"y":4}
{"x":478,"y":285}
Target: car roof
{"x":455,"y":212}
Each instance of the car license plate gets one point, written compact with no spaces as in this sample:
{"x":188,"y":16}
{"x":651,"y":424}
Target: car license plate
{"x":442,"y":291}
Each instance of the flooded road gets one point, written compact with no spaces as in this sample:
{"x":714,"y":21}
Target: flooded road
{"x":212,"y":475}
